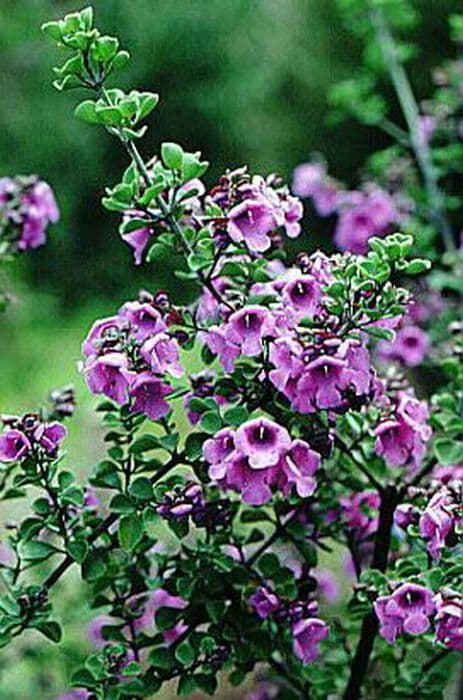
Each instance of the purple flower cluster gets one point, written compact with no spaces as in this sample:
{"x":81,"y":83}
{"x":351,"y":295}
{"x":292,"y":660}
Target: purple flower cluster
{"x":401,"y":436}
{"x":129,"y":356}
{"x":314,"y":371}
{"x":362,"y":214}
{"x":414,"y":609}
{"x":254,"y":209}
{"x":408,"y":609}
{"x":27,"y":207}
{"x":28,"y":435}
{"x":439,"y":520}
{"x":259,"y":458}
{"x":307,"y":629}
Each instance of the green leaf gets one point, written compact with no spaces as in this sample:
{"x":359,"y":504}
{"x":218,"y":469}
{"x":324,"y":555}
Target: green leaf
{"x":78,"y":550}
{"x":162,"y":658}
{"x":94,"y":566}
{"x":141,"y":488}
{"x":144,"y":443}
{"x":36,"y":550}
{"x":130,"y":531}
{"x":416,"y":267}
{"x":53,"y":30}
{"x":87,"y":112}
{"x":172,"y":155}
{"x":149,"y":100}
{"x":210,"y":422}
{"x":194,"y":445}
{"x":121,"y":504}
{"x":448,"y":451}
{"x":50,"y":629}
{"x":235,"y":416}
{"x":269,"y":564}
{"x":185,"y":653}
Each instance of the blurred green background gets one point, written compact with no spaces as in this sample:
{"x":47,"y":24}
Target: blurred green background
{"x":245,"y":81}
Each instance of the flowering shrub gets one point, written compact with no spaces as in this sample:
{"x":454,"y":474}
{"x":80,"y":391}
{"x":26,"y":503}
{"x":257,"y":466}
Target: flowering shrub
{"x":200,"y":543}
{"x":27,"y":207}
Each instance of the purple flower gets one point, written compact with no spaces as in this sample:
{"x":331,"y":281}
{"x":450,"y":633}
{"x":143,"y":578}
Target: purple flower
{"x":95,"y":630}
{"x":262,"y":442}
{"x":401,"y":439}
{"x":307,"y":635}
{"x":75,"y":694}
{"x":437,"y":521}
{"x":320,"y":385}
{"x":293,"y":212}
{"x":39,"y":209}
{"x":148,"y":392}
{"x":14,"y":445}
{"x":449,"y":620}
{"x":303,"y":296}
{"x":145,"y":320}
{"x":103,"y":331}
{"x":138,"y":239}
{"x":247,"y":327}
{"x":298,"y":466}
{"x":360,"y":513}
{"x":215,"y":340}
{"x":50,"y":435}
{"x":251,"y":221}
{"x":448,"y":474}
{"x":109,"y":375}
{"x":408,"y":610}
{"x":259,"y":458}
{"x":161,"y":352}
{"x":426,"y":127}
{"x":264,"y":602}
{"x":327,"y":585}
{"x":410,"y":346}
{"x":308,"y":178}
{"x":363,"y":215}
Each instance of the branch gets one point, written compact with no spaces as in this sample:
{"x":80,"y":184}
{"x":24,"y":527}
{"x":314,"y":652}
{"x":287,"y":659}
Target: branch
{"x":411,"y":114}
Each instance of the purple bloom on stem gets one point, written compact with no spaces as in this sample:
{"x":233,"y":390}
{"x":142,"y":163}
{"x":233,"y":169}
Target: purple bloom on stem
{"x":303,"y":296}
{"x":307,"y":179}
{"x":148,"y":392}
{"x":74,"y":694}
{"x":264,"y":602}
{"x":14,"y":445}
{"x":360,"y":513}
{"x":109,"y":375}
{"x":299,"y":465}
{"x":103,"y":330}
{"x":320,"y":385}
{"x":293,"y":212}
{"x":146,"y":321}
{"x":217,"y":450}
{"x":449,"y":620}
{"x":251,"y":221}
{"x":138,"y":239}
{"x":95,"y":630}
{"x":437,"y":522}
{"x":401,"y":439}
{"x":408,"y":610}
{"x":161,"y":352}
{"x":262,"y":442}
{"x":247,"y":327}
{"x":409,"y":346}
{"x":307,"y":635}
{"x":40,"y":209}
{"x":364,"y":214}
{"x":49,"y":436}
